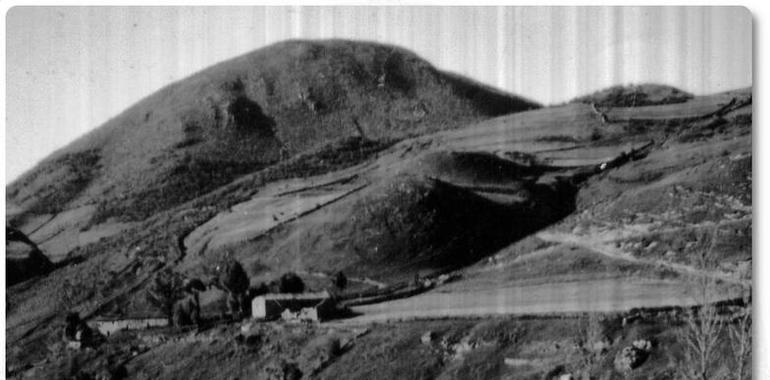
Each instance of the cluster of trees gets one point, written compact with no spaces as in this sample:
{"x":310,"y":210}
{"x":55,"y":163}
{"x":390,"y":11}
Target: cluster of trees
{"x":702,"y":335}
{"x":177,"y":297}
{"x":716,"y":342}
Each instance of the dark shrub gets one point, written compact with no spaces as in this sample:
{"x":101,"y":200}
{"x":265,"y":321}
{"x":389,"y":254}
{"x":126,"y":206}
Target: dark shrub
{"x":291,"y":283}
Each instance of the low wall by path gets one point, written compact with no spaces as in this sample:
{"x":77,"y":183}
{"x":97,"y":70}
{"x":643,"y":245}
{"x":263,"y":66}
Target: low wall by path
{"x":109,"y":327}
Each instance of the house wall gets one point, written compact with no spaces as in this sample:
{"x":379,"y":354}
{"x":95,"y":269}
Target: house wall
{"x":274,"y":309}
{"x":262,"y":308}
{"x":258,"y":309}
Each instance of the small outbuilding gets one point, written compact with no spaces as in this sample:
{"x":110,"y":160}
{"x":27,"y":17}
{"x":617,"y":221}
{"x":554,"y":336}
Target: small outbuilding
{"x":313,"y":307}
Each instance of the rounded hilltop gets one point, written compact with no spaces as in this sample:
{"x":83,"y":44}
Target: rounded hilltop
{"x":635,"y":95}
{"x":247,"y":113}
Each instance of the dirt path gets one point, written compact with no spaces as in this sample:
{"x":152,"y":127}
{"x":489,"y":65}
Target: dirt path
{"x":603,"y":244}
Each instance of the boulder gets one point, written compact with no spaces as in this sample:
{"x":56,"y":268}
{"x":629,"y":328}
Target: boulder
{"x":600,"y":346}
{"x":557,"y":373}
{"x":633,"y":356}
{"x":643,"y":344}
{"x":428,"y":337}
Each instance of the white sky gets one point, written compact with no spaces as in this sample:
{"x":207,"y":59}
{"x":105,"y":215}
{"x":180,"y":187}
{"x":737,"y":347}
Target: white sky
{"x":70,"y":69}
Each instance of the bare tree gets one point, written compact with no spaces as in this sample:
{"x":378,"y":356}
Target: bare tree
{"x":700,"y":335}
{"x":739,"y":333}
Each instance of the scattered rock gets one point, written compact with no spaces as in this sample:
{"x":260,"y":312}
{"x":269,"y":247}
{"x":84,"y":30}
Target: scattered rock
{"x":558,"y":373}
{"x":357,"y":333}
{"x":633,"y":356}
{"x":318,"y":353}
{"x":643,"y":344}
{"x":601,"y":346}
{"x":445,"y":278}
{"x":428,"y":337}
{"x":281,"y":370}
{"x":465,"y":346}
{"x":628,"y":359}
{"x":246,"y":327}
{"x":744,"y":269}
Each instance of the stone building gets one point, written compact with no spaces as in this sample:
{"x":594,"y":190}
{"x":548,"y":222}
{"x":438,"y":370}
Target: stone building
{"x":314,"y":307}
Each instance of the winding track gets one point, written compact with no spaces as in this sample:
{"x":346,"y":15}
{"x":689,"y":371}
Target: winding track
{"x":604,"y":247}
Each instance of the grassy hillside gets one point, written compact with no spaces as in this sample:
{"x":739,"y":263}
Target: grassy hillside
{"x":436,"y":212}
{"x":245,"y":114}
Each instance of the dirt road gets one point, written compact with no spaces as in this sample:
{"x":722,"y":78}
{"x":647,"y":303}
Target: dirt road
{"x":607,"y":295}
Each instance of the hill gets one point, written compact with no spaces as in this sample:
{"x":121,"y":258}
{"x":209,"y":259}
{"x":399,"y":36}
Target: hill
{"x":635,"y":96}
{"x":541,"y":216}
{"x":245,"y":114}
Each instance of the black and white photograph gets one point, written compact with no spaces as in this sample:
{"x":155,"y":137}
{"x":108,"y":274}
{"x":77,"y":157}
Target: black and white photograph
{"x":379,"y":192}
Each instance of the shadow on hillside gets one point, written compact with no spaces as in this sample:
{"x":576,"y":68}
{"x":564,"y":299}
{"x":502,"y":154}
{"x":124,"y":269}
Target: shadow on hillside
{"x":442,"y":226}
{"x":498,"y":225}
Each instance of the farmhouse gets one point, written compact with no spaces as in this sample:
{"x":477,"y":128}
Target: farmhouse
{"x":304,"y":307}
